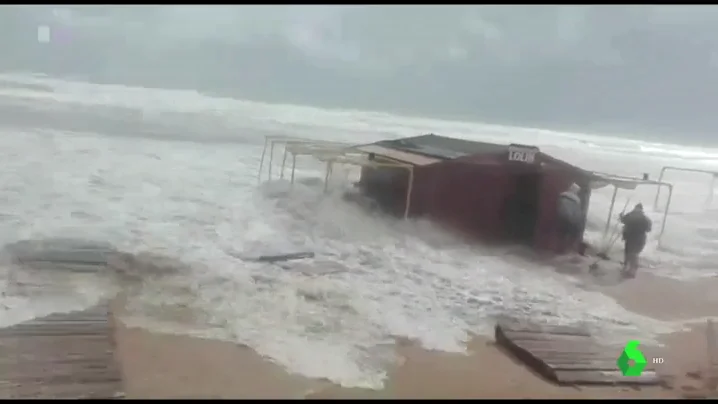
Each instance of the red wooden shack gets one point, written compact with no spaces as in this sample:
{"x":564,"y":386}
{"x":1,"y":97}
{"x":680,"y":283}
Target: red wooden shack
{"x":499,"y":193}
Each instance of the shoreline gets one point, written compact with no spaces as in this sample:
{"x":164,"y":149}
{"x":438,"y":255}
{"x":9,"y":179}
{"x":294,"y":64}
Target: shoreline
{"x":157,"y":365}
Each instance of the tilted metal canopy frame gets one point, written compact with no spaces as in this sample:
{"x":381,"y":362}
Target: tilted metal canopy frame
{"x":600,"y":180}
{"x":335,"y":153}
{"x":330,"y":153}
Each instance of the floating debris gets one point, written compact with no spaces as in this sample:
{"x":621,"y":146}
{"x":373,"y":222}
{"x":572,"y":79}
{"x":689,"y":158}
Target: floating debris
{"x":64,"y":254}
{"x":86,"y":256}
{"x":275,"y":258}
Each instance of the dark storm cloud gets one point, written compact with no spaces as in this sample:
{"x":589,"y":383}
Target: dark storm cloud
{"x":651,"y":69}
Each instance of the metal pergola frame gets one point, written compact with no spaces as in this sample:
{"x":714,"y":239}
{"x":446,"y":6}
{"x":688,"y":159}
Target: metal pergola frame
{"x":295,"y":146}
{"x":713,"y":174}
{"x":330,"y":153}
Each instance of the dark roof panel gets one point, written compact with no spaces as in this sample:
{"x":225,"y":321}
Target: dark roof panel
{"x":442,"y":147}
{"x":446,"y":148}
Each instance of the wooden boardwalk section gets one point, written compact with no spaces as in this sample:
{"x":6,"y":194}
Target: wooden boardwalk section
{"x":61,"y":254}
{"x":69,"y":355}
{"x":567,"y":355}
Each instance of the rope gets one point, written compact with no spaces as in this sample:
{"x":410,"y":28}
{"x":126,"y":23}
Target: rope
{"x":603,"y":254}
{"x":616,"y":232}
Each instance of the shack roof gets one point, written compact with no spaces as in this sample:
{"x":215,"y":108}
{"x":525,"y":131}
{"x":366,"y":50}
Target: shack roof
{"x":429,"y":149}
{"x":441,"y":147}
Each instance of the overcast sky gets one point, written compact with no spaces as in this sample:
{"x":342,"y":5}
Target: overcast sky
{"x":648,"y":69}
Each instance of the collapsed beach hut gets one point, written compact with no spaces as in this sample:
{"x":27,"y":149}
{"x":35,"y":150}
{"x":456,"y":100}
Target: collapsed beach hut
{"x":503,"y":193}
{"x":498,"y":193}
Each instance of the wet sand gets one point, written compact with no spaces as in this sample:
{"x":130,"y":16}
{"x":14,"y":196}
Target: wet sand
{"x":667,"y":299}
{"x":171,"y":366}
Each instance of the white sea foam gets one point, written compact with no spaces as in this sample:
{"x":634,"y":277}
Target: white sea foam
{"x":373,"y":279}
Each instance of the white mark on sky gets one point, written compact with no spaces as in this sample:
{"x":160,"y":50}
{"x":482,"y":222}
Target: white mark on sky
{"x":44,"y":35}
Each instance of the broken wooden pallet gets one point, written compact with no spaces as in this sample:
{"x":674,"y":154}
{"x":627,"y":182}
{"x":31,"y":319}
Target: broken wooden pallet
{"x":566,"y":355}
{"x":68,"y":355}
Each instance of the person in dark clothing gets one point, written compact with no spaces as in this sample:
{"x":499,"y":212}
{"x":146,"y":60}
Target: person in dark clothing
{"x":570,"y":218}
{"x":636,"y":226}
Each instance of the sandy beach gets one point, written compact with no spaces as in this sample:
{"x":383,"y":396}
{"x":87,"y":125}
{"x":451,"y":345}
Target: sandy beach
{"x":172,"y":366}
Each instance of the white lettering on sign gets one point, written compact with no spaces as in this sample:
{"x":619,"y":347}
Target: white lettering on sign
{"x":522,"y":154}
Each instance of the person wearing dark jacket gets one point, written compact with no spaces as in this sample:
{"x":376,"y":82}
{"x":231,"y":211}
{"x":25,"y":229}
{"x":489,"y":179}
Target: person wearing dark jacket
{"x":636,"y":226}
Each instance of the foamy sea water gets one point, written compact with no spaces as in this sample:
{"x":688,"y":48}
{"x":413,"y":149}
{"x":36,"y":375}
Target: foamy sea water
{"x":175,"y":172}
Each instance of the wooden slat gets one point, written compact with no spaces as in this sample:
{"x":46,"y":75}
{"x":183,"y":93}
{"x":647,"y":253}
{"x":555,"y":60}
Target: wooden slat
{"x":78,"y":256}
{"x":516,"y":326}
{"x":559,"y":357}
{"x":67,"y":355}
{"x":605,"y":377}
{"x":568,"y":357}
{"x":547,"y":352}
{"x":74,"y":376}
{"x":43,"y":331}
{"x":61,"y":254}
{"x":562,"y":346}
{"x":78,"y":267}
{"x":67,"y":391}
{"x":605,"y":365}
{"x":49,"y":345}
{"x":546,"y":336}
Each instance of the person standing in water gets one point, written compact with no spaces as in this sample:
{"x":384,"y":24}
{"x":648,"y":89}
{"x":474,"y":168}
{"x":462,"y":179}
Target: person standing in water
{"x":570,"y":218}
{"x":636,"y":226}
